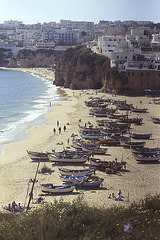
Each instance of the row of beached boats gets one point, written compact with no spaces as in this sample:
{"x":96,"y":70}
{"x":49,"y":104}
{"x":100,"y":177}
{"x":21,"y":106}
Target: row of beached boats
{"x":74,"y":179}
{"x":111,"y":130}
{"x":115,"y":131}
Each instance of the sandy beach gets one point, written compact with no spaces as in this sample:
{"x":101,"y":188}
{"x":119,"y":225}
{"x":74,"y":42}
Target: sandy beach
{"x":16,"y":168}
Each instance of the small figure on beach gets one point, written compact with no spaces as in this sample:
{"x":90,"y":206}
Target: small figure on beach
{"x":50,"y":103}
{"x":14,"y":205}
{"x":59,"y":130}
{"x":54,"y":130}
{"x":9,"y":206}
{"x":119,"y":197}
{"x":64,"y":128}
{"x":57,"y":123}
{"x":68,"y":141}
{"x":109,"y":196}
{"x":113,"y":196}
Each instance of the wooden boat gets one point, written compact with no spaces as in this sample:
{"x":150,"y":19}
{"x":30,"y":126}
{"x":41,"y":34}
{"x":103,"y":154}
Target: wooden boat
{"x":89,"y":183}
{"x":79,"y":143}
{"x":49,"y":188}
{"x":143,"y":150}
{"x":96,"y":150}
{"x":156,"y":120}
{"x":36,"y":156}
{"x":109,"y":142}
{"x":71,"y":178}
{"x":117,"y":115}
{"x":147,"y":158}
{"x":67,"y":159}
{"x":71,"y":172}
{"x":104,"y":122}
{"x":93,"y":136}
{"x":132,"y":144}
{"x":139,"y":110}
{"x":95,"y":162}
{"x":136,"y":120}
{"x":89,"y":129}
{"x":123,"y":107}
{"x":140,"y":135}
{"x":68,"y":152}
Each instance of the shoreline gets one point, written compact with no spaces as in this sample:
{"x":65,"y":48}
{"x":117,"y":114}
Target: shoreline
{"x":136,"y":183}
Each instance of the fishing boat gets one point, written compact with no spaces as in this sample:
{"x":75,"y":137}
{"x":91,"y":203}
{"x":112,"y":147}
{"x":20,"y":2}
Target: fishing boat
{"x":156,"y":120}
{"x":96,"y":150}
{"x":147,"y":158}
{"x":89,"y":129}
{"x":132,"y":144}
{"x":51,"y":189}
{"x":70,"y":179}
{"x":68,"y":152}
{"x":88,"y":183}
{"x":93,"y":136}
{"x":36,"y":156}
{"x":95,"y":162}
{"x":67,"y":158}
{"x":140,"y":135}
{"x":143,"y":150}
{"x":139,"y":110}
{"x":137,"y":121}
{"x":109,"y":142}
{"x":73,"y":172}
{"x":80,"y":143}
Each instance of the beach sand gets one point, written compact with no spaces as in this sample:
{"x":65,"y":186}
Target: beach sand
{"x":16,"y":168}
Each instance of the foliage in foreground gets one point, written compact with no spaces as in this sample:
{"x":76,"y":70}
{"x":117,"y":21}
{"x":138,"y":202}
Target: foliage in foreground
{"x":76,"y":220}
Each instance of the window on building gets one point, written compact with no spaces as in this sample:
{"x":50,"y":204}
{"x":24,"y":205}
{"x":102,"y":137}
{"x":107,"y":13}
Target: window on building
{"x":132,"y":73}
{"x":117,"y":57}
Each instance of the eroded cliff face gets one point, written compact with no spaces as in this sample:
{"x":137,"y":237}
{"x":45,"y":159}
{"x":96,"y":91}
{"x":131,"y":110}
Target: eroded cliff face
{"x":80,"y":68}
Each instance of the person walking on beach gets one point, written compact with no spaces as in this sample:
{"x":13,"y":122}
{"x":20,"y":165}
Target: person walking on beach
{"x":57,"y":123}
{"x":64,"y":128}
{"x":54,"y":130}
{"x":59,"y":130}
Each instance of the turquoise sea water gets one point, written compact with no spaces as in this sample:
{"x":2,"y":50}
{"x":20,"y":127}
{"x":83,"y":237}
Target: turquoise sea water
{"x":24,"y":99}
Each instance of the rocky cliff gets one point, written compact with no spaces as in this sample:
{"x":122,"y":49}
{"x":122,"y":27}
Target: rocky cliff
{"x":38,"y":58}
{"x":80,"y":68}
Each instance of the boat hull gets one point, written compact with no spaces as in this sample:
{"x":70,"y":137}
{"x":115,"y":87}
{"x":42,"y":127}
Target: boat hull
{"x":48,"y":188}
{"x":57,"y":159}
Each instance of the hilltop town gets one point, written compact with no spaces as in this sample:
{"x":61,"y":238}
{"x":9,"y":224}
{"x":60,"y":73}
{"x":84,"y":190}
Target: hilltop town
{"x":133,"y":47}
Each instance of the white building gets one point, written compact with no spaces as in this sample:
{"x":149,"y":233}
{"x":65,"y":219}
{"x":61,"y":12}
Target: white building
{"x":155,"y":40}
{"x":12,"y":24}
{"x":138,"y":37}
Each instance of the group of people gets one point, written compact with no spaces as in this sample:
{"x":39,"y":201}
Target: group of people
{"x":59,"y":128}
{"x":118,"y":198}
{"x":14,"y":207}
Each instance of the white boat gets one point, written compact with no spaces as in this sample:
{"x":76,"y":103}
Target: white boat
{"x":49,"y":188}
{"x":67,"y":159}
